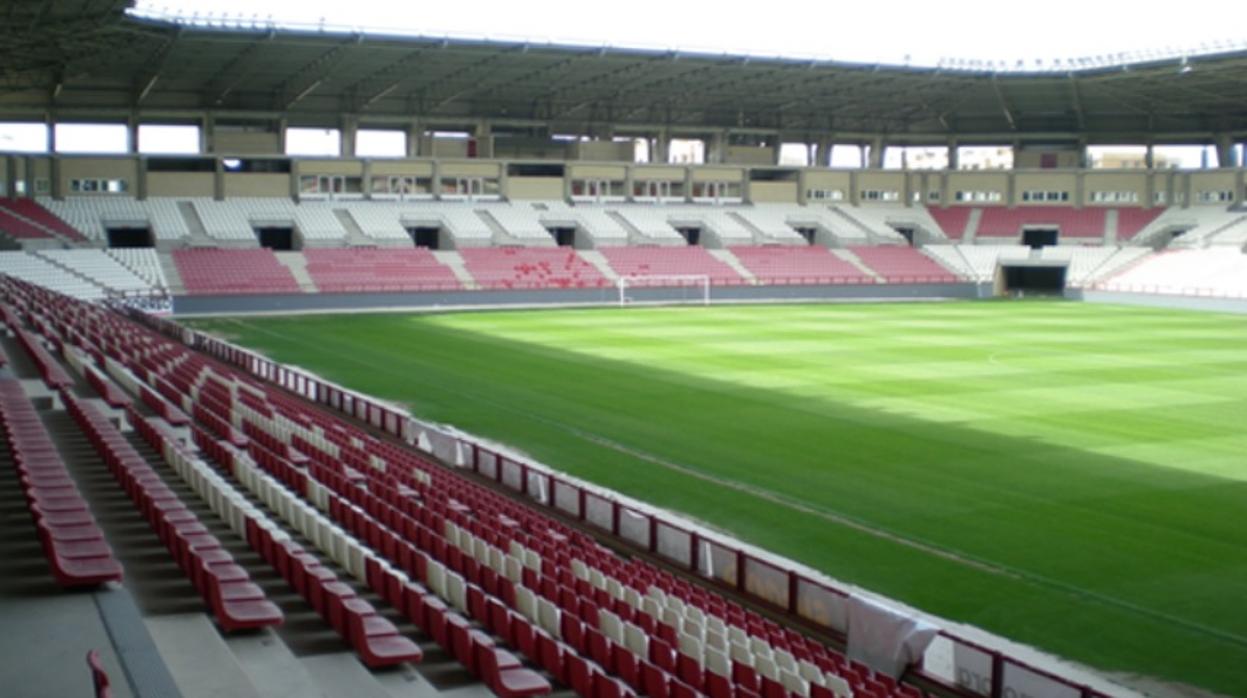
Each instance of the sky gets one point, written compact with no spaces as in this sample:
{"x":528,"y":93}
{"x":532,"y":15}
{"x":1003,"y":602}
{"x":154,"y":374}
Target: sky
{"x":902,"y":31}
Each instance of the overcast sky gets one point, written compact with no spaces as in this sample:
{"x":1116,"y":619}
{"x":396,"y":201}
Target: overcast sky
{"x":854,"y":31}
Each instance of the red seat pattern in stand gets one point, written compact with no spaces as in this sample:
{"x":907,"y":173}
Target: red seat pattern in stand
{"x":647,"y":261}
{"x":73,"y":543}
{"x":1131,"y":221}
{"x":903,"y":265}
{"x":530,"y":267}
{"x":403,"y":269}
{"x":21,"y":229}
{"x":775,"y":264}
{"x":1002,"y":221}
{"x":421,"y":517}
{"x":34,"y":211}
{"x":212,"y":271}
{"x":951,"y":220}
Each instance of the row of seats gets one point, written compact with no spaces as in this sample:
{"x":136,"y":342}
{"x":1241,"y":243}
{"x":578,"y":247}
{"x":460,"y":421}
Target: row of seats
{"x":402,"y":269}
{"x":375,"y":477}
{"x":530,"y":267}
{"x":1214,"y":271}
{"x":72,"y":541}
{"x":798,"y":265}
{"x":214,"y":271}
{"x":27,"y":218}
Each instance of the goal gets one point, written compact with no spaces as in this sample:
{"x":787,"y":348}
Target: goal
{"x":675,"y":288}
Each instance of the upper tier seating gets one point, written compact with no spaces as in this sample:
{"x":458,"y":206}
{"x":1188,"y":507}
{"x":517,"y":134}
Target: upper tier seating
{"x":403,"y":269}
{"x":951,"y":220}
{"x":778,"y":222}
{"x":210,"y":271}
{"x":1005,"y":222}
{"x":92,"y":215}
{"x":649,"y":261}
{"x":903,"y":265}
{"x":798,"y":265}
{"x":1131,"y":221}
{"x":26,"y":218}
{"x":520,"y":221}
{"x":593,"y":220}
{"x":982,"y":259}
{"x":1215,"y":271}
{"x":530,"y":267}
{"x":649,"y":224}
{"x":882,"y":220}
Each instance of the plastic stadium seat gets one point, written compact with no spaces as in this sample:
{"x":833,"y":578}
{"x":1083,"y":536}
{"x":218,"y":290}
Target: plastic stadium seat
{"x":506,"y":678}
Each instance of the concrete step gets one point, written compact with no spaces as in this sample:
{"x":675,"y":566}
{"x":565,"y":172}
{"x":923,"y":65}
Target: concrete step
{"x":972,"y":225}
{"x":172,"y":275}
{"x":199,"y":236}
{"x":848,"y":256}
{"x":1110,"y":226}
{"x":297,"y":264}
{"x":725,"y":255}
{"x":598,"y":260}
{"x":454,"y":260}
{"x":355,"y":235}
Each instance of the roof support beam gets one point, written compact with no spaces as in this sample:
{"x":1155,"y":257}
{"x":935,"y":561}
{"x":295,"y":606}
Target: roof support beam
{"x":233,"y":72}
{"x":1076,"y":100}
{"x":305,"y":80}
{"x":1004,"y":104}
{"x":157,"y":63}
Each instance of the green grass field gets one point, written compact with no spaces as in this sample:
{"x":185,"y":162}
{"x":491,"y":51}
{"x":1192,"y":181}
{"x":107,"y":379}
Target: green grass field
{"x":1072,"y":476}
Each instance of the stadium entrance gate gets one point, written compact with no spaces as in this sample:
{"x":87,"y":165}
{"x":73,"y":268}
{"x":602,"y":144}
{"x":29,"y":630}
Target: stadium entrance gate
{"x":276,"y":238}
{"x":1038,"y":278}
{"x":1036,"y":238}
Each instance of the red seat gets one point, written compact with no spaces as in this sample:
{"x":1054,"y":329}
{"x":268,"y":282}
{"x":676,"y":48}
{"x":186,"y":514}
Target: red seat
{"x":655,"y":680}
{"x":99,"y":677}
{"x":505,"y":676}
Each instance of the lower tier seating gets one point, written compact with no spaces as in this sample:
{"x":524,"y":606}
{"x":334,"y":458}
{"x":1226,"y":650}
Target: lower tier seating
{"x":212,"y":271}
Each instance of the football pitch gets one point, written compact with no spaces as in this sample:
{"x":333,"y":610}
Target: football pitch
{"x":1068,"y":475}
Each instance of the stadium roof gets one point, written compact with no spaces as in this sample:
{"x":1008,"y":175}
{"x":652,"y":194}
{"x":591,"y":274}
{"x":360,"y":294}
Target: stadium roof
{"x":93,"y":59}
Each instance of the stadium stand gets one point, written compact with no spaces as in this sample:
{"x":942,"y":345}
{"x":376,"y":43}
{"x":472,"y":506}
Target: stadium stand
{"x":530,"y":267}
{"x":410,"y":269}
{"x":649,"y":261}
{"x":982,"y":259}
{"x":144,"y":263}
{"x":1008,"y":222}
{"x":1215,"y":271}
{"x":798,"y":265}
{"x":952,"y":220}
{"x":595,"y":222}
{"x":98,"y":267}
{"x":1132,"y":221}
{"x":903,"y":265}
{"x":37,"y":270}
{"x":211,"y":271}
{"x":26,"y":218}
{"x":777,"y":223}
{"x":480,"y":573}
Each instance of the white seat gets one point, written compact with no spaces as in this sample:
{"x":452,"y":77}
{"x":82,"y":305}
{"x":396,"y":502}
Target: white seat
{"x":838,"y":685}
{"x":690,"y":646}
{"x":580,"y":570}
{"x":636,"y":640}
{"x":810,"y":672}
{"x":435,"y":578}
{"x":718,"y":662}
{"x":526,"y":603}
{"x":741,"y":653}
{"x":457,"y":590}
{"x":611,"y":626}
{"x":532,"y":560}
{"x":715,"y":640}
{"x":614,"y":588}
{"x":794,"y":683}
{"x":785,"y":660}
{"x":765,"y":666}
{"x":548,"y":617}
{"x":513,"y":571}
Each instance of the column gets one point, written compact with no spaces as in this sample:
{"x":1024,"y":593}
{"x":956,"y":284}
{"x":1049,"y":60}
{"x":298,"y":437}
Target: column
{"x":10,"y":177}
{"x":218,"y":179}
{"x":1226,"y":157}
{"x":777,"y":145}
{"x":716,"y":147}
{"x":414,"y":133}
{"x":140,"y":178}
{"x":207,"y":135}
{"x":1011,"y":189}
{"x":954,"y":162}
{"x":1149,"y":156}
{"x":484,"y":136}
{"x":366,"y":178}
{"x":132,"y":134}
{"x":660,"y":150}
{"x":54,"y":178}
{"x":282,"y":125}
{"x":347,"y":135}
{"x":876,"y":153}
{"x":1080,"y":189}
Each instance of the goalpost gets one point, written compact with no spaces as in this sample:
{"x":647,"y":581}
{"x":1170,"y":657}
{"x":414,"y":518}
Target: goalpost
{"x":696,"y":287}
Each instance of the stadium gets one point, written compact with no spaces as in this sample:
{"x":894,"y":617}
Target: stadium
{"x":345,"y":362}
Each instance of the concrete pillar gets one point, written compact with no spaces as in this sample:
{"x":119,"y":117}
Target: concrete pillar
{"x":366,"y":178}
{"x":1240,"y":186}
{"x":218,"y":180}
{"x":140,"y":178}
{"x":907,"y":189}
{"x":1149,"y":156}
{"x":1082,"y":153}
{"x":207,"y":135}
{"x":436,"y":182}
{"x":484,"y":136}
{"x":688,"y":183}
{"x":852,"y":193}
{"x":415,"y":130}
{"x":51,"y":134}
{"x":132,"y":134}
{"x":824,"y":153}
{"x":954,"y":162}
{"x":10,"y":177}
{"x":1149,"y":189}
{"x":876,"y":154}
{"x":1226,"y":157}
{"x":628,"y":183}
{"x":1186,"y":190}
{"x":296,"y":173}
{"x":1011,"y":189}
{"x":282,"y":125}
{"x":54,"y":178}
{"x":1171,"y":188}
{"x":716,"y":148}
{"x":28,"y":176}
{"x":777,"y":146}
{"x":660,"y":148}
{"x":1080,"y":189}
{"x":347,"y":135}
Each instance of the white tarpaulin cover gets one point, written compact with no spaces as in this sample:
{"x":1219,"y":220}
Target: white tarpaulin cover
{"x":884,"y":638}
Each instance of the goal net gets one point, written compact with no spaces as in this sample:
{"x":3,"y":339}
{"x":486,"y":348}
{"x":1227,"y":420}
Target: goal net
{"x":666,"y":288}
